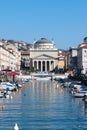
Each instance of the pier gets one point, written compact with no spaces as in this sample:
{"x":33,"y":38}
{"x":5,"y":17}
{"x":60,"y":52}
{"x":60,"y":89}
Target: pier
{"x":51,"y":75}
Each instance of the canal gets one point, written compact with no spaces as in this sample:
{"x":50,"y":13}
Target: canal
{"x":39,"y":105}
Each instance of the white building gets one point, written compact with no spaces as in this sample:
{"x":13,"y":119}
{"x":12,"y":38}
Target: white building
{"x":4,"y":58}
{"x":12,"y":48}
{"x":82,"y":57}
{"x":7,"y":59}
{"x":73,"y":58}
{"x":12,"y":61}
{"x":44,"y":55}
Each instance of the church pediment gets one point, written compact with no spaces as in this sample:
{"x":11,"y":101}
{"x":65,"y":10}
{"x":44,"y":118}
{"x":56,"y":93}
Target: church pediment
{"x":43,"y":57}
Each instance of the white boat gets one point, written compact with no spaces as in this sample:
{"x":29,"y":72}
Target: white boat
{"x":79,"y":94}
{"x":1,"y":94}
{"x":75,"y":87}
{"x":7,"y":86}
{"x":4,"y":94}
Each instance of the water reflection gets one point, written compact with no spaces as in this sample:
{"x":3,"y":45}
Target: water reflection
{"x":41,"y":105}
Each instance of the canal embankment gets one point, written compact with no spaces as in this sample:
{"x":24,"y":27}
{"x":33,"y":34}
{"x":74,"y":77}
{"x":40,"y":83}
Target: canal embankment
{"x":34,"y":75}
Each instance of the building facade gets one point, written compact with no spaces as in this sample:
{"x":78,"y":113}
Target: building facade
{"x":4,"y":58}
{"x":44,"y":55}
{"x":61,"y":61}
{"x":82,"y":57}
{"x":73,"y":58}
{"x":7,"y":59}
{"x":12,"y":48}
{"x":25,"y":59}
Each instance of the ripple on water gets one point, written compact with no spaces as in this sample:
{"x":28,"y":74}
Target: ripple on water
{"x":42,"y":106}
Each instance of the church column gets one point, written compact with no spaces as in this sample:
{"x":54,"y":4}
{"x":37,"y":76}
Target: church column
{"x":37,"y":64}
{"x":50,"y":65}
{"x":33,"y":63}
{"x":41,"y":66}
{"x":54,"y":63}
{"x":45,"y":65}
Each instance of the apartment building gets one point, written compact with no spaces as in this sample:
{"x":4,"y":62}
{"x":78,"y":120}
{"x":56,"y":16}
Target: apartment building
{"x":4,"y":58}
{"x":12,"y":48}
{"x":7,"y":59}
{"x":82,"y":57}
{"x":73,"y":58}
{"x":25,"y":59}
{"x":12,"y":61}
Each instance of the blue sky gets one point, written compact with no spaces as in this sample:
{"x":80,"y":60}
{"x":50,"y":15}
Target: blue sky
{"x":64,"y":21}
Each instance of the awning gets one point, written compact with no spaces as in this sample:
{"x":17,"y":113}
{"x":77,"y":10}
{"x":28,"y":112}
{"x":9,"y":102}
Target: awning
{"x":7,"y":69}
{"x":12,"y":73}
{"x":1,"y":72}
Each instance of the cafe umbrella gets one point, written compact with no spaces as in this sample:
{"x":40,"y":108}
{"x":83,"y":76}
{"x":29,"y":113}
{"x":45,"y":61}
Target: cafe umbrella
{"x":1,"y":75}
{"x":5,"y":72}
{"x":12,"y":73}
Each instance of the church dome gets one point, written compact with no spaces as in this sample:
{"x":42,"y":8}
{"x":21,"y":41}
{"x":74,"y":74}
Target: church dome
{"x":43,"y":43}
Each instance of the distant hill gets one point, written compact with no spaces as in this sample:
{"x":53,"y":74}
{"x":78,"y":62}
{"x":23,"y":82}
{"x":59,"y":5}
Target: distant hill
{"x":22,"y":45}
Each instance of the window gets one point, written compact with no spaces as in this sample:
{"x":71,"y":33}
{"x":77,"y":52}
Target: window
{"x":85,"y":51}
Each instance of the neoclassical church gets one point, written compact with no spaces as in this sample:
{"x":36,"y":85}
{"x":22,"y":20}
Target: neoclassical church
{"x":44,"y":55}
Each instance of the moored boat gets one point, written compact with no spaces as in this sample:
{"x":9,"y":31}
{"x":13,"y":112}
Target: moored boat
{"x":7,"y":86}
{"x":80,"y":94}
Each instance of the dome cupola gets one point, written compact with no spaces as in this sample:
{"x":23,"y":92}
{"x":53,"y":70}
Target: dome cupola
{"x":43,"y":43}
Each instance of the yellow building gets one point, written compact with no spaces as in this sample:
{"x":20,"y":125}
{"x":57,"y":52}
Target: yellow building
{"x":61,"y":60}
{"x":61,"y":64}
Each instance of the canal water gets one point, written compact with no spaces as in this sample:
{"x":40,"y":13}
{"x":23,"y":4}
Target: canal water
{"x":41,"y":106}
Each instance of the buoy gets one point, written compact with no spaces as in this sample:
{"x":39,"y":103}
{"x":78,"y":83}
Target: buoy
{"x":16,"y":127}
